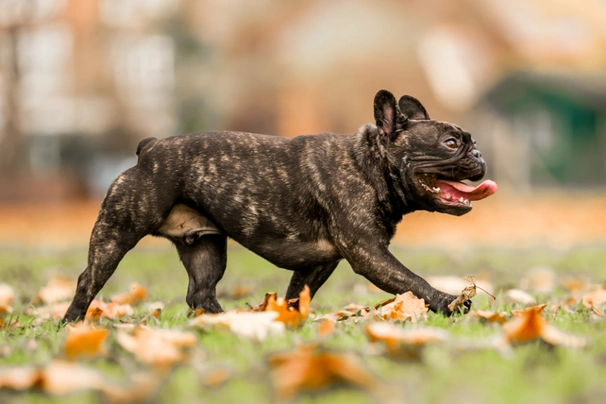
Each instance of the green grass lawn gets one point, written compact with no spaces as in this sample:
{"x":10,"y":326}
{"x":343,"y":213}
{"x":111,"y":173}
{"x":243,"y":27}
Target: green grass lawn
{"x":461,"y":370}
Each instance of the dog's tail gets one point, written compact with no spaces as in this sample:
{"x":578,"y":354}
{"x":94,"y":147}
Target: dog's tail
{"x":145,"y":144}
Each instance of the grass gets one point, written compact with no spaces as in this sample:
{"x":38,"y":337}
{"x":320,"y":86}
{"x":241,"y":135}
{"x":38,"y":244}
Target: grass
{"x":533,"y":372}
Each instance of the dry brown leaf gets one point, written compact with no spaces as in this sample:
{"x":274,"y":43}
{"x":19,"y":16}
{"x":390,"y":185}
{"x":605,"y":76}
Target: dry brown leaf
{"x":157,"y":347}
{"x":58,"y":377}
{"x":488,"y":316}
{"x":519,"y":296}
{"x":352,"y":310}
{"x":595,"y":298}
{"x":53,"y":311}
{"x":7,"y":295}
{"x":309,"y":368}
{"x":401,"y":308}
{"x":110,"y":310}
{"x":466,"y":294}
{"x":454,"y":284}
{"x":326,"y":327}
{"x":136,"y":294}
{"x":404,"y":343}
{"x":215,"y":377}
{"x":141,"y":388}
{"x":57,"y":289}
{"x":554,"y":309}
{"x":83,"y":340}
{"x":539,"y":279}
{"x":597,"y":311}
{"x":529,"y":324}
{"x":292,"y":312}
{"x":254,"y":325}
{"x":577,"y":283}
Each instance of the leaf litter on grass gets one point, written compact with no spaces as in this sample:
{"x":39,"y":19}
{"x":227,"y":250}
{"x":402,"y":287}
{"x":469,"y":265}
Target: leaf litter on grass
{"x":397,"y":324}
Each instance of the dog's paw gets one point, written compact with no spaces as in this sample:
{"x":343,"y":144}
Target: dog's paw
{"x":443,"y":302}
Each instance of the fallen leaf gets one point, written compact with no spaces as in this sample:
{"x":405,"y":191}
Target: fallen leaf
{"x":454,"y":284}
{"x":254,"y":325}
{"x":83,"y":340}
{"x":539,"y":279}
{"x":529,"y":325}
{"x":61,"y":378}
{"x":403,"y":343}
{"x":577,"y":283}
{"x":352,"y":310}
{"x":215,"y":377}
{"x":136,"y":294}
{"x":595,"y":298}
{"x":326,"y":327}
{"x":7,"y":295}
{"x":292,"y":312}
{"x":401,"y":308}
{"x":110,"y":310}
{"x":54,"y":311}
{"x":466,"y":294}
{"x":308,"y":368}
{"x":57,"y":289}
{"x":519,"y":296}
{"x":488,"y":316}
{"x":58,"y":377}
{"x":157,"y":347}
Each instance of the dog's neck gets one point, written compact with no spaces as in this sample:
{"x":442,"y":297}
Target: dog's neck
{"x":383,"y":174}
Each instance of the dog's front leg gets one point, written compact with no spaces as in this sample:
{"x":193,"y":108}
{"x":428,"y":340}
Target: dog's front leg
{"x":380,"y":267}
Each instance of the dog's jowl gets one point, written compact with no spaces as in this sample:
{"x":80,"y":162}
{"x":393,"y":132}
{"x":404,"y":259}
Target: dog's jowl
{"x":303,"y":204}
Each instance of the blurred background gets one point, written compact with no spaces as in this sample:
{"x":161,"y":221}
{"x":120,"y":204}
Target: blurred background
{"x":83,"y":81}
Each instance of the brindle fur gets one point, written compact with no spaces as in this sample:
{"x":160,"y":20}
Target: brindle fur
{"x":303,"y":203}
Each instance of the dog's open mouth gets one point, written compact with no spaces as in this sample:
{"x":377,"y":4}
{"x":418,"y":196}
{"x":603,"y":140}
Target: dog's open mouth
{"x":457,"y":193}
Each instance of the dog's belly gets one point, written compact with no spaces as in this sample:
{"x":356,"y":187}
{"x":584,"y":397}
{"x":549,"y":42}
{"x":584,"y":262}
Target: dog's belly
{"x":296,"y":255}
{"x":282,"y":251}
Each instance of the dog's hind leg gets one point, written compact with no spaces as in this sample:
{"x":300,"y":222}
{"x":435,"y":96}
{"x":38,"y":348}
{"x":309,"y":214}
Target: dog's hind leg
{"x":313,"y":277}
{"x":205,"y":262}
{"x":127,"y":215}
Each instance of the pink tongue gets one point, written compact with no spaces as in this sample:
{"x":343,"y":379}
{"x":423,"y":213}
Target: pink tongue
{"x":457,"y":189}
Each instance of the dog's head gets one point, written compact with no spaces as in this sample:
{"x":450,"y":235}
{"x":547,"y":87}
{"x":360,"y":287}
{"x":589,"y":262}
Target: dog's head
{"x":431,"y":157}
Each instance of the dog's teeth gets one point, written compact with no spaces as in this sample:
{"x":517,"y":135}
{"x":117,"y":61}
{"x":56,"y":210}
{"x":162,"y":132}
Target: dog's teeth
{"x":436,"y":190}
{"x":462,"y":200}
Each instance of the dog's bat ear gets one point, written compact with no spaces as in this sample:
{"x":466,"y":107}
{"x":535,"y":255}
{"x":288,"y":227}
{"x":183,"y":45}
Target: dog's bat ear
{"x":412,"y":108}
{"x":386,"y":111}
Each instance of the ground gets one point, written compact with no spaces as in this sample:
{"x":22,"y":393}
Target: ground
{"x":465,"y":367}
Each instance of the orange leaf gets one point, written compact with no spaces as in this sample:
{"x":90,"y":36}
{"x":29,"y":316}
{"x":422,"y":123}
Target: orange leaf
{"x":308,"y":368}
{"x":84,"y":341}
{"x":157,"y":347}
{"x":57,"y":289}
{"x":326,"y":327}
{"x":529,"y":324}
{"x":7,"y":295}
{"x":291,"y":313}
{"x":402,"y":307}
{"x":254,"y":325}
{"x":488,"y":316}
{"x":403,"y":343}
{"x":595,"y":298}
{"x":136,"y":294}
{"x":113,"y":310}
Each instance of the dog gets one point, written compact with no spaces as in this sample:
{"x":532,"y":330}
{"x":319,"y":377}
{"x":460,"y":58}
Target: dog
{"x":303,"y":204}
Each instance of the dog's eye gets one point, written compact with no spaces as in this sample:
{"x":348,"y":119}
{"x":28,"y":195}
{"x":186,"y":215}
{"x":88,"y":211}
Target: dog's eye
{"x":452,"y":143}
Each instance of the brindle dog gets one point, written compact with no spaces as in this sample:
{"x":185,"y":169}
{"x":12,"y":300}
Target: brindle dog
{"x":303,"y":203}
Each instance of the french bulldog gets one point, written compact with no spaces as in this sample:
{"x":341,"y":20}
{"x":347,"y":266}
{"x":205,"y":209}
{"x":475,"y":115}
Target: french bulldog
{"x":303,"y":204}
